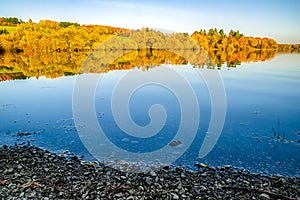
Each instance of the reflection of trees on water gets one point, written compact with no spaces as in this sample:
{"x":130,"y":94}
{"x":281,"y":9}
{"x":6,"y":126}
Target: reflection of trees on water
{"x":50,"y":65}
{"x":57,"y":64}
{"x":11,"y":73}
{"x":237,"y":57}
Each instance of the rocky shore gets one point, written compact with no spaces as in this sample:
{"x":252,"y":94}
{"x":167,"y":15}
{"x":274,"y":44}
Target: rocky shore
{"x":28,"y":172}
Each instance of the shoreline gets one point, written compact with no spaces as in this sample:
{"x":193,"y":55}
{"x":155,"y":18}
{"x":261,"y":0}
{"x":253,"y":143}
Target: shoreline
{"x":28,"y":172}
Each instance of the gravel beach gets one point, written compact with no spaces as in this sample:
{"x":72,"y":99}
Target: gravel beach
{"x":28,"y":172}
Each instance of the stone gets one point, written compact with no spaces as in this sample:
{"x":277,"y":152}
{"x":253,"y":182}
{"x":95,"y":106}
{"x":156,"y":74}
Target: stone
{"x":148,"y":181}
{"x":264,"y":196}
{"x":10,"y":170}
{"x":175,"y":196}
{"x":141,"y":187}
{"x":119,"y":195}
{"x":152,"y":173}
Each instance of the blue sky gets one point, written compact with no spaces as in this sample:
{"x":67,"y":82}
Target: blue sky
{"x":278,"y":19}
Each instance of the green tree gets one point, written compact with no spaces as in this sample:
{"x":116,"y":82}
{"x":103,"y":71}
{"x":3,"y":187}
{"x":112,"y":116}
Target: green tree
{"x":66,"y":24}
{"x":4,"y":31}
{"x":221,"y":33}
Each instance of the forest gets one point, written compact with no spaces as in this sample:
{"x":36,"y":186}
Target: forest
{"x":46,"y":35}
{"x":52,"y":49}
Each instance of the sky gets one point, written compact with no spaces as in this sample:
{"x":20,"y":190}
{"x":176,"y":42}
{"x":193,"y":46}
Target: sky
{"x":277,"y":19}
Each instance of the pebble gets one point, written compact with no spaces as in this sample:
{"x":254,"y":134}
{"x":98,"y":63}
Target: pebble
{"x":175,"y":196}
{"x":226,"y":166}
{"x":132,"y":191}
{"x":22,"y":194}
{"x":152,"y":173}
{"x":119,"y":195}
{"x":10,"y":170}
{"x":141,"y":187}
{"x":264,"y":196}
{"x":175,"y":143}
{"x":202,"y":165}
{"x":148,"y":181}
{"x":31,"y":195}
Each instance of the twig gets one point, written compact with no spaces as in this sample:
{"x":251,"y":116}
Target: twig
{"x":274,"y":132}
{"x":278,"y":136}
{"x":247,"y":189}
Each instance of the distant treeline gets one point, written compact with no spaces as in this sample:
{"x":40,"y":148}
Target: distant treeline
{"x":66,"y":24}
{"x":217,"y":40}
{"x":10,"y":21}
{"x":50,"y":35}
{"x":47,"y":35}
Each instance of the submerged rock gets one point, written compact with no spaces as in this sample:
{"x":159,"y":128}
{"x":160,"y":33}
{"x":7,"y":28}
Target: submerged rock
{"x":175,"y":143}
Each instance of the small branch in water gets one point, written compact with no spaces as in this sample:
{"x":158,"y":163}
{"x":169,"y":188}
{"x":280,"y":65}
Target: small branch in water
{"x":278,"y":136}
{"x":274,"y":132}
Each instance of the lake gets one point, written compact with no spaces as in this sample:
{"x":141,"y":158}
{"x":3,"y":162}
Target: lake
{"x":158,"y":112}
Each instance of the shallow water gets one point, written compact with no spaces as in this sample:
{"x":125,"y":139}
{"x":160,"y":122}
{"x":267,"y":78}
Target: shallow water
{"x":259,"y":96}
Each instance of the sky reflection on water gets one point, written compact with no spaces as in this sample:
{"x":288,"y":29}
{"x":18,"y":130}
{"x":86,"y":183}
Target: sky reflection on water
{"x":258,"y":96}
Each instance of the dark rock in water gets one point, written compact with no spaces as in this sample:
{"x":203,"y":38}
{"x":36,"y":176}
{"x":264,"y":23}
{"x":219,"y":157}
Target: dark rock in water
{"x":175,"y":143}
{"x":200,"y":165}
{"x":226,"y":167}
{"x":20,"y":134}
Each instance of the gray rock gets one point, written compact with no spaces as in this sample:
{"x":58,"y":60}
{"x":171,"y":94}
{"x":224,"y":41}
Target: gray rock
{"x":10,"y":170}
{"x":22,"y":194}
{"x":119,"y":195}
{"x":175,"y":196}
{"x":148,"y":180}
{"x":152,"y":173}
{"x":264,"y":196}
{"x":141,"y":187}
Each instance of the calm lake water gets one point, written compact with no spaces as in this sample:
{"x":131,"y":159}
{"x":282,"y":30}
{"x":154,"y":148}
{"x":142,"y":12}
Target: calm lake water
{"x":259,"y":96}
